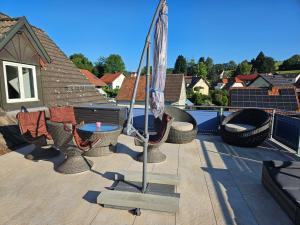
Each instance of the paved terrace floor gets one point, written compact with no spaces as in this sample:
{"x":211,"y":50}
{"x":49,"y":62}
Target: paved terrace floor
{"x":220,"y":184}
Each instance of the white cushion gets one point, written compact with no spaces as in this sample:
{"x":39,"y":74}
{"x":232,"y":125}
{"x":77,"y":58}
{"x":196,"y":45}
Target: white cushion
{"x":182,"y":126}
{"x":238,"y":127}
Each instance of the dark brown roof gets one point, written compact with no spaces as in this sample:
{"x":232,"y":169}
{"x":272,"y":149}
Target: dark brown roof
{"x":195,"y":80}
{"x":62,"y":81}
{"x":282,"y":98}
{"x":172,"y":89}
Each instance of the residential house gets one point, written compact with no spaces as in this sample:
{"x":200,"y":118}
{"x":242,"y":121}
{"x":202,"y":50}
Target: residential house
{"x":282,"y":98}
{"x":34,"y":72}
{"x":175,"y":90}
{"x":199,"y":85}
{"x":188,"y":80}
{"x":273,"y":80}
{"x":98,"y":83}
{"x":113,"y":80}
{"x":227,"y":83}
{"x":247,"y":78}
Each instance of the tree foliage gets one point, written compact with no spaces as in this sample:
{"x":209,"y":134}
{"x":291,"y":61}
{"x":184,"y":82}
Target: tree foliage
{"x":114,"y":63}
{"x":200,"y":99}
{"x":219,"y":97}
{"x":263,"y":64}
{"x":111,"y":93}
{"x":243,"y":68}
{"x":202,"y":70}
{"x":292,"y":63}
{"x":180,"y":65}
{"x":111,"y":64}
{"x":81,"y":62}
{"x":192,"y":68}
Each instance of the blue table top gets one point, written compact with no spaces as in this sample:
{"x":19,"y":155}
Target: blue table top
{"x":105,"y":127}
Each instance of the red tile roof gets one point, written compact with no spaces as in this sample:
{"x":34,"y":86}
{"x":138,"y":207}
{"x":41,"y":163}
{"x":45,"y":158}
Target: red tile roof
{"x":93,"y":79}
{"x":248,"y":77}
{"x":110,"y":77}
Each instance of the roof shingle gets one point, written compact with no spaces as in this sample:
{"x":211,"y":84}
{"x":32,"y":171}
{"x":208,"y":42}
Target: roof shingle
{"x":172,"y":89}
{"x":93,"y":79}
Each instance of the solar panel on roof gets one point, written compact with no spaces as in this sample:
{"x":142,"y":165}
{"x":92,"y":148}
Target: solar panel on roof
{"x":247,"y":97}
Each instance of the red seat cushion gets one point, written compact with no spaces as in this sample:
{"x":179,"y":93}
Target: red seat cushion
{"x":64,"y":114}
{"x":33,"y":124}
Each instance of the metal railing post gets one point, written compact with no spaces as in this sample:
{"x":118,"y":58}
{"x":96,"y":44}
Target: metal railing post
{"x":272,"y":124}
{"x":146,"y":132}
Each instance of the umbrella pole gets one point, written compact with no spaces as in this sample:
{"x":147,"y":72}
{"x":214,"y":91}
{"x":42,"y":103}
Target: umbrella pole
{"x":146,"y":132}
{"x":130,"y":115}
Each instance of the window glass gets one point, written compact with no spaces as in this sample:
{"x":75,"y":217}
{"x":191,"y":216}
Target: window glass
{"x":13,"y":83}
{"x":28,"y":82}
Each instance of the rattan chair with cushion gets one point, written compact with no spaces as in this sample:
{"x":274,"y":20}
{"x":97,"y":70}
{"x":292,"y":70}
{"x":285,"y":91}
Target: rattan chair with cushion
{"x":63,"y":129}
{"x":33,"y":128}
{"x":156,"y":140}
{"x":64,"y":140}
{"x":246,"y":128}
{"x":184,"y":128}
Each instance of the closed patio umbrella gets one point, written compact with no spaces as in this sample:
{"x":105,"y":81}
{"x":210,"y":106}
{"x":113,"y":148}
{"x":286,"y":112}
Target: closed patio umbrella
{"x":157,"y":99}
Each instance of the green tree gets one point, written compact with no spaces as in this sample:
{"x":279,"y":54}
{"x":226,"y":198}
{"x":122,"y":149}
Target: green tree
{"x":170,"y":70}
{"x":111,"y":93}
{"x":219,"y":97}
{"x":292,"y":63}
{"x":81,"y":61}
{"x":209,"y":64}
{"x":202,"y":70}
{"x":263,"y":64}
{"x":114,"y":63}
{"x":202,"y":59}
{"x":243,"y":68}
{"x":200,"y":99}
{"x":99,"y":69}
{"x":192,"y":68}
{"x":180,"y":65}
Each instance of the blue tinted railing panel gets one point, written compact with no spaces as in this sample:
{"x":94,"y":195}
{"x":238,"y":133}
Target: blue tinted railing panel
{"x":208,"y":121}
{"x":286,"y":131}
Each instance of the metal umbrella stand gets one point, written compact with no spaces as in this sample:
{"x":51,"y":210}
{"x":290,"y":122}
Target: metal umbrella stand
{"x":128,"y":194}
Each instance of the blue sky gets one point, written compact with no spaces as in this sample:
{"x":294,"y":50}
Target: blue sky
{"x":221,"y":29}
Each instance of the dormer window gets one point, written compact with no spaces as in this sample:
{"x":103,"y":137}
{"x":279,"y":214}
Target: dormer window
{"x":20,"y":82}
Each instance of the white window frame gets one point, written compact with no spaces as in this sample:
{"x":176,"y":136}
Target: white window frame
{"x":21,"y":82}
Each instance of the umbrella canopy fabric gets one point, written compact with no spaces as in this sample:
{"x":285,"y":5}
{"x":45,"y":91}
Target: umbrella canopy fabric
{"x":157,"y":101}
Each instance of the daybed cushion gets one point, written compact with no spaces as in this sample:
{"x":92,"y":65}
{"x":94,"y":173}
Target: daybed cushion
{"x":182,"y":126}
{"x":237,"y":127}
{"x":282,"y":179}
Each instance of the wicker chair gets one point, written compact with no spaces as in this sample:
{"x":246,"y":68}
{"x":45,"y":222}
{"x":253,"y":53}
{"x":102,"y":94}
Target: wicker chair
{"x":156,"y":140}
{"x":64,"y":140}
{"x":177,"y":136}
{"x":33,"y":128}
{"x":63,"y":129}
{"x":259,"y":122}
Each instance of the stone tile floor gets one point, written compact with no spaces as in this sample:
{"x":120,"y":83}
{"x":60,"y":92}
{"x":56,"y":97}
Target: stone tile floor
{"x":220,"y":184}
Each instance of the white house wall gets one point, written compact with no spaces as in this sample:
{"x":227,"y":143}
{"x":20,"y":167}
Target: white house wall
{"x":117,"y":83}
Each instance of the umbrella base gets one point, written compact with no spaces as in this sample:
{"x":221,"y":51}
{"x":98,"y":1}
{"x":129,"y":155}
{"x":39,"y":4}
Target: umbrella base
{"x":154,"y":156}
{"x":128,"y":196}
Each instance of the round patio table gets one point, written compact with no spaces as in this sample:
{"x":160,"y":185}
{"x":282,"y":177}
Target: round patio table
{"x":108,"y":134}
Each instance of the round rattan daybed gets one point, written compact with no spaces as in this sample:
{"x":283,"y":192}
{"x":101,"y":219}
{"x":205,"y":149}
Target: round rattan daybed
{"x":246,"y":128}
{"x":188,"y":124}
